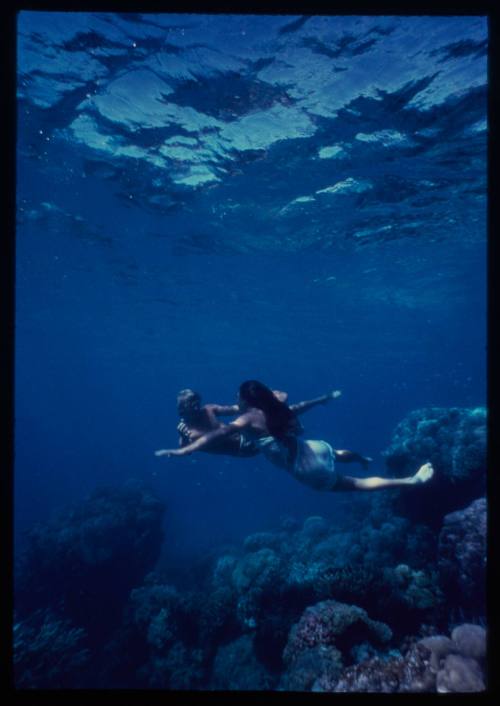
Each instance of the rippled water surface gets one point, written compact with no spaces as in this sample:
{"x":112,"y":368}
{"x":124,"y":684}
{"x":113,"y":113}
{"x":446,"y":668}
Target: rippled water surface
{"x":206,"y":199}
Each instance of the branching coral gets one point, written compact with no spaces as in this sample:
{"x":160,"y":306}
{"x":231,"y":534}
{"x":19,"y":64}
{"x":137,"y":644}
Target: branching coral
{"x":84,"y":564}
{"x":49,"y":653}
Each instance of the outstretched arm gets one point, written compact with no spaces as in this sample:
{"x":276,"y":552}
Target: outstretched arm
{"x":205,"y":439}
{"x":302,"y":407}
{"x":224,"y":410}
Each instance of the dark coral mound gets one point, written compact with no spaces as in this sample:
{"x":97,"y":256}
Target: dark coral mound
{"x":83,"y":565}
{"x":462,"y":557}
{"x":454,"y":441}
{"x":236,"y":667}
{"x":49,"y":653}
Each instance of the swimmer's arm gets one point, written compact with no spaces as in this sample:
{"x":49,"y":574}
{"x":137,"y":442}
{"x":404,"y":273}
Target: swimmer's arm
{"x":187,"y":434}
{"x":224,"y":410}
{"x":302,"y":407}
{"x":205,"y":439}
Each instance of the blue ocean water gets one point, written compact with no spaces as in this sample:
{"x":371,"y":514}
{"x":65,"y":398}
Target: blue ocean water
{"x":203,"y":200}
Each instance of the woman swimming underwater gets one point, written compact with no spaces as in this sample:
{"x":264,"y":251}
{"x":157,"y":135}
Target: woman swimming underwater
{"x":271,"y":425}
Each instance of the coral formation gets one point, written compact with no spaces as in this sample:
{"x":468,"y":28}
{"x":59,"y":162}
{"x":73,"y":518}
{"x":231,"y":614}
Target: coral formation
{"x":49,"y":653}
{"x":460,"y":675}
{"x":331,"y":623}
{"x":314,"y":665}
{"x":84,"y":564}
{"x":236,"y":667}
{"x":462,"y":556}
{"x":470,"y":640}
{"x":432,"y":664}
{"x":454,"y":441}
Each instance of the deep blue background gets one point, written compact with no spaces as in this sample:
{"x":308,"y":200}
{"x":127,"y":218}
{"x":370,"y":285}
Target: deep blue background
{"x":111,"y":321}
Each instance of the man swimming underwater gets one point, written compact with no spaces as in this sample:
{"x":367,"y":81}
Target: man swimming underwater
{"x":196,"y":419}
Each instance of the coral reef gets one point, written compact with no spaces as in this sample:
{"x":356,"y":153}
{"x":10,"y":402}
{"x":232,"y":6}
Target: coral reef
{"x":459,"y":675}
{"x":331,"y":623}
{"x":454,"y":441}
{"x":470,"y":640}
{"x":83,"y":565}
{"x":49,"y":653}
{"x":313,"y":666}
{"x":376,"y":604}
{"x":462,"y":557}
{"x":432,"y":664}
{"x":179,"y":667}
{"x":236,"y":667}
{"x":168,"y":625}
{"x":253,"y":574}
{"x":415,"y":595}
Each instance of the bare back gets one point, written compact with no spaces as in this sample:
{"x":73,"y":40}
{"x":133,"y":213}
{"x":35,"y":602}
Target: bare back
{"x":252,"y":423}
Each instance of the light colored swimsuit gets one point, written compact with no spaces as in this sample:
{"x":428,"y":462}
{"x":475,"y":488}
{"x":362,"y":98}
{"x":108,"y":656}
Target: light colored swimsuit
{"x":312,"y":464}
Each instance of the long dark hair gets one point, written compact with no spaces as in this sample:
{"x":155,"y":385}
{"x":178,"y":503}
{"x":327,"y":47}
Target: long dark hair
{"x":280,"y":419}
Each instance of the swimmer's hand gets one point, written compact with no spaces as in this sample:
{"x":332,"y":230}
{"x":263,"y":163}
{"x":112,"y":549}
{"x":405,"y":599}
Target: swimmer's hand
{"x":185,"y":431}
{"x":171,"y":452}
{"x":333,"y":395}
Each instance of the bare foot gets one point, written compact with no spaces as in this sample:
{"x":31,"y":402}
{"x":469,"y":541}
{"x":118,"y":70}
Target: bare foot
{"x":424,"y":473}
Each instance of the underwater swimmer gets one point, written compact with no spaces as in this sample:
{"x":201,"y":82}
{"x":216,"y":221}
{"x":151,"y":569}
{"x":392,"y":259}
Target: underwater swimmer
{"x":273,"y":426}
{"x":197,"y":419}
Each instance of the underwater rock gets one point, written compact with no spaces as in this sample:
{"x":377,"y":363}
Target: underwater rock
{"x":462,"y":556}
{"x":84,"y":564}
{"x":408,"y":674}
{"x":459,"y":675}
{"x":263,"y":540}
{"x":312,"y":668}
{"x":315,"y":527}
{"x":254,"y":575}
{"x":331,"y":623}
{"x":236,"y":667}
{"x":454,"y":441}
{"x":335,"y":549}
{"x":149,"y":601}
{"x":174,"y":634}
{"x":373,"y":675}
{"x":419,"y":589}
{"x":431,"y":664}
{"x":223,"y":570}
{"x":352,"y":582}
{"x":218,"y":617}
{"x":440,"y":647}
{"x":470,"y":640}
{"x":49,"y":653}
{"x":289,"y":524}
{"x":180,"y":667}
{"x":255,"y":569}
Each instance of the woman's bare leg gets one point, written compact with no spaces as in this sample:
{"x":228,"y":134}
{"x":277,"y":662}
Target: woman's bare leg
{"x":423,"y":475}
